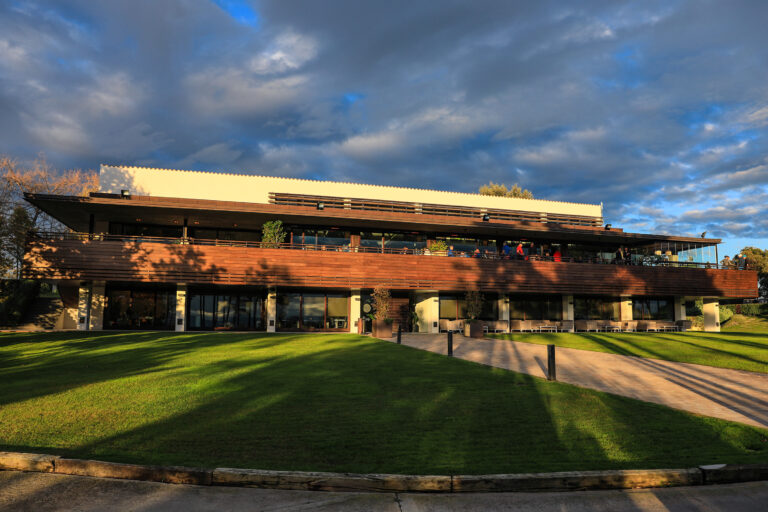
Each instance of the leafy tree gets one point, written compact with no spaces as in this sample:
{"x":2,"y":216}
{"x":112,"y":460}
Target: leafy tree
{"x":758,"y":260}
{"x":19,"y":223}
{"x":272,"y":234}
{"x":501,"y":190}
{"x":381,"y":302}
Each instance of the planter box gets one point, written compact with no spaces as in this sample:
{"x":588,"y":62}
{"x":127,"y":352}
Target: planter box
{"x":382,"y":329}
{"x":473,"y":329}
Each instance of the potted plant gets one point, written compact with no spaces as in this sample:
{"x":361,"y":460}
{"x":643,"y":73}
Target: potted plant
{"x":272,"y":234}
{"x":473,"y":328}
{"x":382,"y":323}
{"x":439,"y":248}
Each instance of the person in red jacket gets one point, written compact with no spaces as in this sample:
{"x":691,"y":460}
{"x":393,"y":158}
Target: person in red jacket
{"x":557,"y":256}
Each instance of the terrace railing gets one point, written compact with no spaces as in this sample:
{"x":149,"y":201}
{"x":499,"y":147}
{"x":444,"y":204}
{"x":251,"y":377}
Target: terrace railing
{"x":644,"y":260}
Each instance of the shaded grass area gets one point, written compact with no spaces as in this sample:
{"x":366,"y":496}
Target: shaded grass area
{"x":328,"y":402}
{"x":740,"y":349}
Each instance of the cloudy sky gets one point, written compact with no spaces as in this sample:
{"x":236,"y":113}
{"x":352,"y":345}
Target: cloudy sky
{"x":657,"y":109}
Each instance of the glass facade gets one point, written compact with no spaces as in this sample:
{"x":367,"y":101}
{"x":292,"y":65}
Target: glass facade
{"x":139,"y":308}
{"x":535,"y":307}
{"x":225,"y":311}
{"x":312,"y":311}
{"x":653,"y":308}
{"x":454,"y":307}
{"x":596,"y":308}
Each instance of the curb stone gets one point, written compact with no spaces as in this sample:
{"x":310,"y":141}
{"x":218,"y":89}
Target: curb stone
{"x":167,"y":474}
{"x":340,"y":482}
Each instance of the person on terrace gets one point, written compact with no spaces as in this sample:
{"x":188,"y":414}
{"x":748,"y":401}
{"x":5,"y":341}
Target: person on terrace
{"x":557,"y":256}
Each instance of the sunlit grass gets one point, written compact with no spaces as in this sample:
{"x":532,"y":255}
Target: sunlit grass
{"x":328,"y":402}
{"x":738,"y":349}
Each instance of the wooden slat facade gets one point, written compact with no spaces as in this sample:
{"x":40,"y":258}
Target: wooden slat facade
{"x":220,"y":265}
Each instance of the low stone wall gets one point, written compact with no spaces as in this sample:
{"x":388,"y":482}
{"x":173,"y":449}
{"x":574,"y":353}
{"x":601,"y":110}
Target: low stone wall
{"x":340,"y":482}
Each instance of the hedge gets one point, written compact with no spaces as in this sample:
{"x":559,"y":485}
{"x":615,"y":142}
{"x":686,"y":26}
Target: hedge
{"x":748,"y":309}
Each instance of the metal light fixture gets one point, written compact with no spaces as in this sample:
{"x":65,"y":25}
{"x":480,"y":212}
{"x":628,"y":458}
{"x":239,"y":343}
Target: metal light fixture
{"x":125,"y":194}
{"x":486,"y":217}
{"x":607,"y":226}
{"x":321,"y":206}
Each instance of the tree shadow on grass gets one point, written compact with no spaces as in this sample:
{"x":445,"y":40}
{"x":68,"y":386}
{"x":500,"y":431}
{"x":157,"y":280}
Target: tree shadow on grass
{"x":353,"y":404}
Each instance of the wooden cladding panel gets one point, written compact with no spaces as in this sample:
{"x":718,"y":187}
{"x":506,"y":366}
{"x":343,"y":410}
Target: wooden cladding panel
{"x":152,"y":262}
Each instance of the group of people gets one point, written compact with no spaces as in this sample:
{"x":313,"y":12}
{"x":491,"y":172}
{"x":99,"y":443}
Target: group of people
{"x":522,"y":252}
{"x":739,"y":261}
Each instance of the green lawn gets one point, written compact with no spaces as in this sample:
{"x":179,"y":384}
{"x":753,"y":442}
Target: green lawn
{"x":741,"y":348}
{"x":328,"y":402}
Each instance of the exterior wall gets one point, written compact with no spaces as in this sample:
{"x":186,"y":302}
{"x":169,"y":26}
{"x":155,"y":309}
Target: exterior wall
{"x":711,"y":315}
{"x":256,"y":189}
{"x":181,"y":307}
{"x":504,"y":310}
{"x":354,"y":310}
{"x":98,"y":303}
{"x":625,"y":309}
{"x":567,"y":307}
{"x":67,"y":320}
{"x":428,"y":310}
{"x":680,"y":308}
{"x":83,"y":307}
{"x":272,"y":310}
{"x":94,"y":260}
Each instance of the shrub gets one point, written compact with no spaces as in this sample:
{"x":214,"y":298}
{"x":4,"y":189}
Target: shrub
{"x":748,"y":309}
{"x":725,"y":314}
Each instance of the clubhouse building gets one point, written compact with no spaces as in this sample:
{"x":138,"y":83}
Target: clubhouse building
{"x":181,"y":250}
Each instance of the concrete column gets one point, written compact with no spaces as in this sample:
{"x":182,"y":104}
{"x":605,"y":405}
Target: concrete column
{"x":84,"y":308}
{"x":711,"y":315}
{"x":625,"y":308}
{"x":181,"y":307}
{"x":428,"y":309}
{"x":271,"y":310}
{"x":354,"y":309}
{"x":679,"y":308}
{"x":98,"y":302}
{"x":504,"y":309}
{"x":567,"y":307}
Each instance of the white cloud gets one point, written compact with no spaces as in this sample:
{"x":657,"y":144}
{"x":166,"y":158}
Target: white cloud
{"x":288,"y":52}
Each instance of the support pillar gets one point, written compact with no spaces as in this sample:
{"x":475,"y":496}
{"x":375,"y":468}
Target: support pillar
{"x":680,"y":309}
{"x":567,"y":307}
{"x":181,"y":306}
{"x":354,"y":310}
{"x":711,"y":315}
{"x":428,"y":310}
{"x":84,"y":307}
{"x":98,"y":302}
{"x":271,"y":310}
{"x":504,"y":309}
{"x":625,"y":308}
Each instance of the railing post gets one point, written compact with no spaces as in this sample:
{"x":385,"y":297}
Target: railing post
{"x":450,"y":343}
{"x":399,"y":334}
{"x":551,"y":366}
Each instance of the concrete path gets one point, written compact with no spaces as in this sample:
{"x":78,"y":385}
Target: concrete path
{"x":728,"y":394}
{"x":41,"y":492}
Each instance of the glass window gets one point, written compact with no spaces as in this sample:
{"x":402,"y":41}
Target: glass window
{"x":338,"y":312}
{"x":652,"y":308}
{"x":448,"y":309}
{"x":536,"y":307}
{"x":288,"y":310}
{"x":143,"y":308}
{"x":595,"y":308}
{"x":313,"y":314}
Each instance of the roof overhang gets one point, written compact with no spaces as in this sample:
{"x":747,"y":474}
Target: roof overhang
{"x":75,"y":212}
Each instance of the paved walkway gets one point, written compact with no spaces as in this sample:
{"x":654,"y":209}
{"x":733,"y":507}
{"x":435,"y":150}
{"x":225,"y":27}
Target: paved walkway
{"x":41,"y":492}
{"x":733,"y":395}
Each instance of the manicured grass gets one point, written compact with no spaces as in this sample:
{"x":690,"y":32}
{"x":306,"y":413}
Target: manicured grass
{"x":742,"y":349}
{"x":751,"y":324}
{"x":328,"y":402}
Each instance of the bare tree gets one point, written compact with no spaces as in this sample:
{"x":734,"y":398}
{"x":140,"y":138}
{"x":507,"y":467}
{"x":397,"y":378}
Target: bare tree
{"x":17,"y":216}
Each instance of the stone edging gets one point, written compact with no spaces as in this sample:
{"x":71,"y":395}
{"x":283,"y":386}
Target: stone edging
{"x":316,"y":481}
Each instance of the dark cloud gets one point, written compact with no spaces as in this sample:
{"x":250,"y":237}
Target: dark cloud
{"x":657,"y":109}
